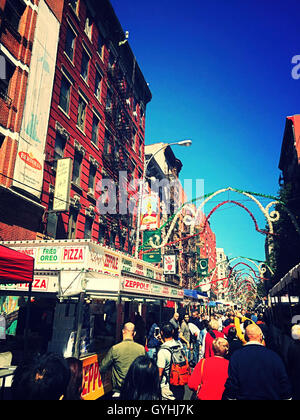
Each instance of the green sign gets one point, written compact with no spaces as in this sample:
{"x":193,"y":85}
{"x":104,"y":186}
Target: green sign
{"x":202,"y":267}
{"x":153,"y":256}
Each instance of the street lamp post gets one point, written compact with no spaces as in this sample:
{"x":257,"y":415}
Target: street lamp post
{"x":185,"y":143}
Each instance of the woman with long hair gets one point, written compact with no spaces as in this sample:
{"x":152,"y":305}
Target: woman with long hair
{"x":74,"y":389}
{"x":142,"y":381}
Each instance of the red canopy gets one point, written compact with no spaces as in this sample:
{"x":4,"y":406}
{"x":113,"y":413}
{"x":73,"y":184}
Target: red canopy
{"x":15,"y":267}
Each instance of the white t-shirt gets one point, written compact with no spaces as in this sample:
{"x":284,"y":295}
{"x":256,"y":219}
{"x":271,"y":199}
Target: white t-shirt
{"x":164,"y":360}
{"x":194,"y":330}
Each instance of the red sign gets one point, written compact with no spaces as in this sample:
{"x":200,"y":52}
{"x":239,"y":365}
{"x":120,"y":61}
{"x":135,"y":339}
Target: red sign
{"x":31,"y":161}
{"x":92,"y":386}
{"x":73,"y":254}
{"x":136,"y":285}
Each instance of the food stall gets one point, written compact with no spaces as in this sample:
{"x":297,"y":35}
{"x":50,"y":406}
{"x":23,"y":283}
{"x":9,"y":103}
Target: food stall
{"x":15,"y":268}
{"x":82,"y":294}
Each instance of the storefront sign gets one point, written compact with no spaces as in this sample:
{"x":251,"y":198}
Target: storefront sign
{"x":136,"y":286}
{"x":88,"y":256}
{"x":41,"y":283}
{"x":92,"y":387}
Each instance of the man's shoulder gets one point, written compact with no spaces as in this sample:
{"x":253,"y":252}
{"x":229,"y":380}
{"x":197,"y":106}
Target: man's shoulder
{"x":128,"y":343}
{"x":255,"y":350}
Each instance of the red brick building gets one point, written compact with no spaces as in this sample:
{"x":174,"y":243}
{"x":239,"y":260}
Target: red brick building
{"x":20,"y":209}
{"x":97,"y":119}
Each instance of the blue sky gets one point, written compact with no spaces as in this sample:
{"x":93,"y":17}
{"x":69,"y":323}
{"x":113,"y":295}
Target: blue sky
{"x":220,"y":74}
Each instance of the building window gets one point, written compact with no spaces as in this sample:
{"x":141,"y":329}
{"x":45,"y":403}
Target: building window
{"x":88,"y":227}
{"x":13,"y":12}
{"x":85,"y":65}
{"x":2,"y":138}
{"x":98,"y":81}
{"x":100,"y":44}
{"x":77,"y":168}
{"x":109,"y":100}
{"x":92,"y":177}
{"x":95,"y":130}
{"x":9,"y":70}
{"x":82,"y":106}
{"x":107,"y":142}
{"x":59,"y":147}
{"x":88,"y":27}
{"x":75,"y":5}
{"x":70,"y":43}
{"x":102,"y":233}
{"x":64,"y":99}
{"x":72,"y":224}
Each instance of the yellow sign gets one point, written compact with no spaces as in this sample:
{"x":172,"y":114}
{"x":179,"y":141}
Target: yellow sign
{"x":92,"y":386}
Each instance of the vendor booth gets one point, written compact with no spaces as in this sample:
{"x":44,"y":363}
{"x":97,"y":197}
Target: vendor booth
{"x":16,"y":268}
{"x":82,"y":293}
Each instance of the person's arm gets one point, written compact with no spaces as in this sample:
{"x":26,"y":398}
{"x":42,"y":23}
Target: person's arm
{"x":160,"y":372}
{"x":181,"y":336}
{"x":107,"y":361}
{"x":284,"y":382}
{"x":239,"y":334}
{"x":232,"y":383}
{"x":195,"y":378}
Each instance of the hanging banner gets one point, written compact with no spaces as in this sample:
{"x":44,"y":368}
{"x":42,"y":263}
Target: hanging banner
{"x":62,"y":185}
{"x":150,"y":212}
{"x":170,"y":264}
{"x":154,"y":256}
{"x":202,"y":267}
{"x":28,"y":173}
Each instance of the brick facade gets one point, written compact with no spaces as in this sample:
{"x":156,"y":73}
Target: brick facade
{"x":119,"y":143}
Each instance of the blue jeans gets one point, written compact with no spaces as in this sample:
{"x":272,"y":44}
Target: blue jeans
{"x":187,"y":352}
{"x":196,"y":347}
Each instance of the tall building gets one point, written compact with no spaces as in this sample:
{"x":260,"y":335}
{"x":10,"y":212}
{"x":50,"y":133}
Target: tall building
{"x":97,"y":120}
{"x":206,"y":275}
{"x":27,"y":60}
{"x":72,"y":151}
{"x":171,"y":196}
{"x":223,"y":270}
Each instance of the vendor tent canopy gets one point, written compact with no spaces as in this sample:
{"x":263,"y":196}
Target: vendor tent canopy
{"x":15,"y":267}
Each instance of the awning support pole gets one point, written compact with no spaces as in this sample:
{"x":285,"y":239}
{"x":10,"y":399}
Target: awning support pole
{"x":79,"y":326}
{"x":27,"y":322}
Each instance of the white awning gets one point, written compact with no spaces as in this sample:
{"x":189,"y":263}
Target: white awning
{"x":293,"y":274}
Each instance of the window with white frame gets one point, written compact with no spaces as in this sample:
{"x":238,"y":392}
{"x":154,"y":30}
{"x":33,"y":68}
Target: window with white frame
{"x":95,"y":129}
{"x":13,"y":12}
{"x":98,"y":83}
{"x":81,"y":116}
{"x":70,"y":43}
{"x":85,"y":63}
{"x":65,"y":93}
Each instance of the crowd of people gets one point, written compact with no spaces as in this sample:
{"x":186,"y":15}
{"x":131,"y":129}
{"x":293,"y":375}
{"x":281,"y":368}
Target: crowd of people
{"x":221,"y":357}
